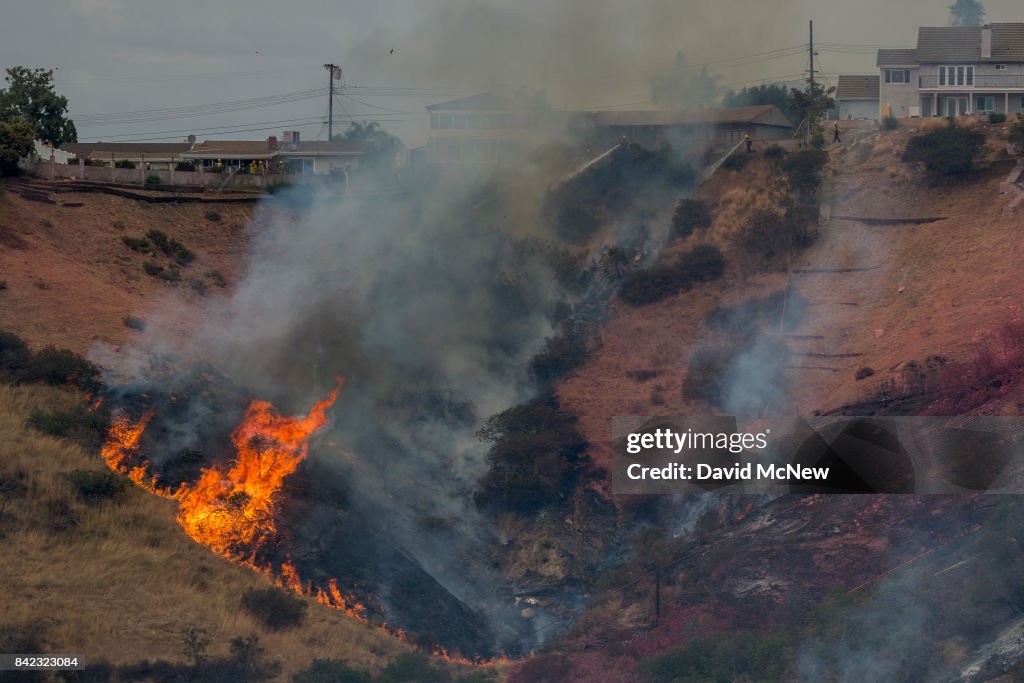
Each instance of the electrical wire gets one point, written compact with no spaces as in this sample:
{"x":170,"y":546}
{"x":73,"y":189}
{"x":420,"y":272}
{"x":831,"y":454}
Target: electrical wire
{"x":166,"y":113}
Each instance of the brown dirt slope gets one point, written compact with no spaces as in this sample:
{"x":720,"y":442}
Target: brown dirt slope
{"x":929,"y":289}
{"x":70,"y":279}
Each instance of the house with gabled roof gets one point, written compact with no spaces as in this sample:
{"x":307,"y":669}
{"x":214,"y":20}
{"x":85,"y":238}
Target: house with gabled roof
{"x":857,"y":96}
{"x":484,"y":129}
{"x":955,"y":70}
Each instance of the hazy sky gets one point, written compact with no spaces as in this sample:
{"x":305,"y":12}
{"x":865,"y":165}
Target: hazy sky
{"x":116,"y":56}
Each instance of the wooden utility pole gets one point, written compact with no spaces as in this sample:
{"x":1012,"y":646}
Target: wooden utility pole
{"x":810,"y":111}
{"x":332,"y":69}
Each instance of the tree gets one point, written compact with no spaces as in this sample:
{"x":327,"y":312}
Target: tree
{"x":380,"y":145}
{"x":773,"y":93}
{"x":809,"y":106}
{"x":966,"y":13}
{"x":30,"y":95}
{"x":16,"y":141}
{"x":684,"y":86}
{"x":689,"y":215}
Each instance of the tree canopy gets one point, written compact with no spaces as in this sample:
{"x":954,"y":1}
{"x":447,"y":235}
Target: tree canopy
{"x":773,"y":93}
{"x":686,"y":86}
{"x":966,"y":13}
{"x":16,"y":138}
{"x":381,"y":146}
{"x":30,"y":95}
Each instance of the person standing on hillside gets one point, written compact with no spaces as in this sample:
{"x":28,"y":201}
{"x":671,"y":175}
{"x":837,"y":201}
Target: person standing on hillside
{"x":835,"y":132}
{"x":750,"y":143}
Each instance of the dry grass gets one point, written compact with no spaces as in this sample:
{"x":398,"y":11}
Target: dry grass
{"x":120,"y":580}
{"x":931,"y":124}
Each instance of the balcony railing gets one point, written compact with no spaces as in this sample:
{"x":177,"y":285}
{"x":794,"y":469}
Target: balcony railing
{"x":1014,"y":82}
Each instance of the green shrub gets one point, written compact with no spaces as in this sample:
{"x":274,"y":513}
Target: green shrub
{"x":736,"y":162}
{"x":134,"y":323}
{"x":775,"y":152}
{"x":198,"y":286}
{"x":803,"y":170}
{"x":80,"y":424}
{"x":332,"y":671}
{"x":216,"y":278}
{"x":124,"y":163}
{"x":169,"y":275}
{"x":412,"y":666}
{"x":171,"y":247}
{"x":152,"y":179}
{"x":159,"y":238}
{"x":768,"y":233}
{"x":950,"y":150}
{"x":536,"y":458}
{"x":152,"y":268}
{"x":703,"y":263}
{"x":95,"y":486}
{"x":689,"y":215}
{"x":723,"y":658}
{"x":561,"y":355}
{"x":135,"y":243}
{"x":996,"y":117}
{"x":212,"y":215}
{"x":14,"y":354}
{"x":60,"y":367}
{"x":890,"y":123}
{"x":185,"y":166}
{"x":817,"y":140}
{"x":274,"y":608}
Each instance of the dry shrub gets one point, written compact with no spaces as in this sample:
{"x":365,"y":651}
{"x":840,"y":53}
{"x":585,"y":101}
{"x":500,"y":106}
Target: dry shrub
{"x":928,"y":125}
{"x":997,"y":367}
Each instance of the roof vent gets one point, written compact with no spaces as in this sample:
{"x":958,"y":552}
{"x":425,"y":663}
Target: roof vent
{"x":986,"y":42}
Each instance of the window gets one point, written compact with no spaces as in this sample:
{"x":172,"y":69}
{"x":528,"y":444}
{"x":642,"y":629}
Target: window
{"x":956,"y":75}
{"x":897,"y":75}
{"x":445,"y":120}
{"x":986,"y":104}
{"x":434,"y":121}
{"x":1000,"y":67}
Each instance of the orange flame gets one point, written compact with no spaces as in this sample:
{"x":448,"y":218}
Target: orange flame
{"x":123,"y":441}
{"x":234,"y":510}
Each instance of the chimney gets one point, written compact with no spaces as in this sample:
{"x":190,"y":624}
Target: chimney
{"x":986,"y":42}
{"x":272,"y":142}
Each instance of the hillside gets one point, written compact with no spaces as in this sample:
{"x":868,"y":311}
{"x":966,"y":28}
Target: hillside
{"x":914,"y":291}
{"x":114,"y":578}
{"x":908,"y":276}
{"x":71,"y":280}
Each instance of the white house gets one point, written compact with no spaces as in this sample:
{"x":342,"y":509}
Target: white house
{"x":484,"y":129}
{"x":954,"y":71}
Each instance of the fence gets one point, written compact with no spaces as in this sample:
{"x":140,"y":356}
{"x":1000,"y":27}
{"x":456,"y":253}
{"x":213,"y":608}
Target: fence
{"x":51,"y":170}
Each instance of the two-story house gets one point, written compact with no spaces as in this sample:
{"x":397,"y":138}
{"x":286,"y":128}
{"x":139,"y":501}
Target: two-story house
{"x":954,"y":71}
{"x":484,"y":129}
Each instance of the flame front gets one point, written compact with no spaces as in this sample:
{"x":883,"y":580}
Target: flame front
{"x":233,"y":512}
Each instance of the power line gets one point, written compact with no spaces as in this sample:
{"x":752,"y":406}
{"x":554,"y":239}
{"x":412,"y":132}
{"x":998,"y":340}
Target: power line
{"x":109,"y":138}
{"x":180,"y":77}
{"x":166,"y":113}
